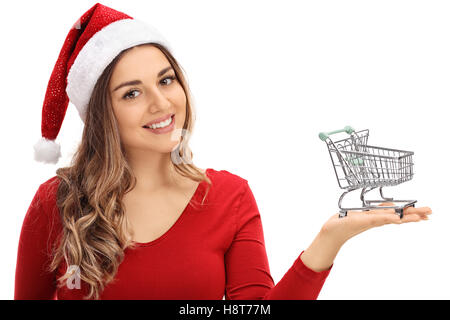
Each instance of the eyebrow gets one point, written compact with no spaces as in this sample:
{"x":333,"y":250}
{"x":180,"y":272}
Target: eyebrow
{"x":135,"y":82}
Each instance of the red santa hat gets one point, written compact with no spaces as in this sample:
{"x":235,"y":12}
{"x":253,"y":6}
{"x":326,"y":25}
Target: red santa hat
{"x":92,"y":43}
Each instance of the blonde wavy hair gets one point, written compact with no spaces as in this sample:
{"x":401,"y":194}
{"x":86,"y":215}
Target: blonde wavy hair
{"x":89,"y":196}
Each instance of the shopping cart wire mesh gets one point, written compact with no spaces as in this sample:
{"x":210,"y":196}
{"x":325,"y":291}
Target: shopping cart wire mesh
{"x":358,"y":165}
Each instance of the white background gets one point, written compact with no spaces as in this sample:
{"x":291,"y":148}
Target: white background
{"x":267,"y":77}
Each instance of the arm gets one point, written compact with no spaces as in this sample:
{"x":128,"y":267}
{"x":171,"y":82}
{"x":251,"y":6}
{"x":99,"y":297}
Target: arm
{"x":247,"y":268}
{"x":32,"y":281}
{"x":321,"y":253}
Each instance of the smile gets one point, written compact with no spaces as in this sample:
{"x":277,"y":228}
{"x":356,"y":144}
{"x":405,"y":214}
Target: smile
{"x":162,"y":127}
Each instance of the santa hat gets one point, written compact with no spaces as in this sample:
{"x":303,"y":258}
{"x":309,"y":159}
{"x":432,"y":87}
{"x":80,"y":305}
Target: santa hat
{"x":92,"y":43}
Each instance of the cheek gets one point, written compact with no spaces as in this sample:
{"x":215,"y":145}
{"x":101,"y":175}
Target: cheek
{"x":181,"y":97}
{"x":127,"y":123}
{"x":180,"y":102}
{"x":126,"y":116}
{"x":177,"y":95}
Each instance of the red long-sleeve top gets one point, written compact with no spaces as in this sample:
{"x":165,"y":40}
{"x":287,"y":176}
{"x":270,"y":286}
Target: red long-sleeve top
{"x":213,"y":250}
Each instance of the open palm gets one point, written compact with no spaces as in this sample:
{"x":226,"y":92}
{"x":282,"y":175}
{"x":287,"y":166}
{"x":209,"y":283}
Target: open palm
{"x":359,"y":221}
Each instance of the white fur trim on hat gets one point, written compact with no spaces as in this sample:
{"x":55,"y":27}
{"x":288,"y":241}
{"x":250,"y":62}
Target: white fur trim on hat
{"x":99,"y":51}
{"x":47,"y":151}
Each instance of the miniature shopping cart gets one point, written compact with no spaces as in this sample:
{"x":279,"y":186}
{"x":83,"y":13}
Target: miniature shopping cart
{"x":358,"y":165}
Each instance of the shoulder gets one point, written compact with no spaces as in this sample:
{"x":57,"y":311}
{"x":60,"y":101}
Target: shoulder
{"x":47,"y":190}
{"x":50,"y":184}
{"x":43,"y":213}
{"x":226,"y":178}
{"x":53,"y":181}
{"x":228,"y":186}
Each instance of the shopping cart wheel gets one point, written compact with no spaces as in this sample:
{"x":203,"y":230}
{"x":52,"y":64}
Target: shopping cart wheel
{"x":342,"y":214}
{"x":399,"y":211}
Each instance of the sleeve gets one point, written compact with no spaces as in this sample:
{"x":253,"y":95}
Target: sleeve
{"x":32,"y":280}
{"x":247,"y":267}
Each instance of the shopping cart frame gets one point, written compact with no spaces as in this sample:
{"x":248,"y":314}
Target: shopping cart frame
{"x":353,"y":153}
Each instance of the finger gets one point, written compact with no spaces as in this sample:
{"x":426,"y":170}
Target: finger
{"x":393,"y":217}
{"x":370,"y":212}
{"x":382,"y":218}
{"x":389,"y":218}
{"x":379,"y":217}
{"x":412,"y":217}
{"x":386,"y":204}
{"x":423,"y":212}
{"x":420,"y":210}
{"x":380,"y":211}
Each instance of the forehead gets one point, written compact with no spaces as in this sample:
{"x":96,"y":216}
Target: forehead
{"x":137,"y":61}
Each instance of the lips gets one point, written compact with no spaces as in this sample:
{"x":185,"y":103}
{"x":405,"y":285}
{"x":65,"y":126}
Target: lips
{"x":158,"y":120}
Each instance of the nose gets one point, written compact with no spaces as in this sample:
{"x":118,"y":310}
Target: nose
{"x":157,"y":101}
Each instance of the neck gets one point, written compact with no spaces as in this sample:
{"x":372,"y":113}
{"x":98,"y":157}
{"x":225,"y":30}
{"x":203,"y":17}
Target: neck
{"x":153,"y":172}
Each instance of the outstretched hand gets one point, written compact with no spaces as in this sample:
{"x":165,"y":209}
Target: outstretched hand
{"x":356,"y":222}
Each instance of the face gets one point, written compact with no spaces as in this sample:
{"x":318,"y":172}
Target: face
{"x":152,"y":92}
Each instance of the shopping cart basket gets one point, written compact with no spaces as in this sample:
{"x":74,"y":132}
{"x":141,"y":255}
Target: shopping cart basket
{"x":360,"y":166}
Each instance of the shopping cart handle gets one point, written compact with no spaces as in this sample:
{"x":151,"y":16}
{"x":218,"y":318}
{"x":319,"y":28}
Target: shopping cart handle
{"x":325,"y":135}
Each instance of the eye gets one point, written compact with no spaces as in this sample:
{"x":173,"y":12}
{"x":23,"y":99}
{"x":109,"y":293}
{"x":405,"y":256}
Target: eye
{"x":127,"y":95}
{"x":172,"y":78}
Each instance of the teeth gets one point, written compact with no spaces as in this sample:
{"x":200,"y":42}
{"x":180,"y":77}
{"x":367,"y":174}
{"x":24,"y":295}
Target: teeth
{"x":161,"y":124}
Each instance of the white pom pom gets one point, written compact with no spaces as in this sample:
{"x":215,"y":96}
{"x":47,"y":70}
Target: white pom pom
{"x":47,"y":151}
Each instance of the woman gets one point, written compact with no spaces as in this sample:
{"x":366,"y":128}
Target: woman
{"x":133,"y":217}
